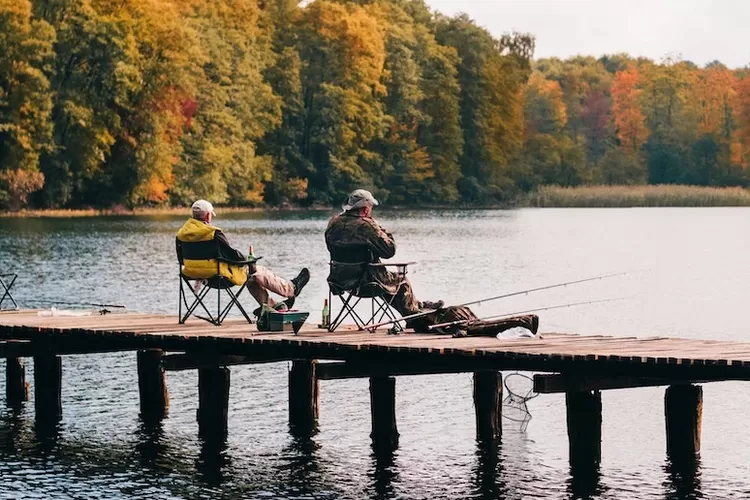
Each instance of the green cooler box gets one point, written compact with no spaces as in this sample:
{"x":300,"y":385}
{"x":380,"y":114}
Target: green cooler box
{"x":282,"y":321}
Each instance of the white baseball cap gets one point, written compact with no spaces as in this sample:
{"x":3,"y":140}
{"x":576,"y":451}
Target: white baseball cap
{"x":359,"y":198}
{"x":201,"y":207}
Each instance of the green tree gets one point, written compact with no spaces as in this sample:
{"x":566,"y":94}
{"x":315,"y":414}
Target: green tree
{"x":25,"y":103}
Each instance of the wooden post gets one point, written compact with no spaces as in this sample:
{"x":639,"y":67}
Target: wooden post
{"x":152,"y":385}
{"x":383,"y":411}
{"x":213,"y":402}
{"x":584,"y":416}
{"x":304,"y":397}
{"x":47,"y":387}
{"x":16,"y":387}
{"x":683,"y":412}
{"x":488,"y":400}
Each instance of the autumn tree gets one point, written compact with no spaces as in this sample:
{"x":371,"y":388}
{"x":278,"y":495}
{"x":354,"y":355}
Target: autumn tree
{"x":25,"y":101}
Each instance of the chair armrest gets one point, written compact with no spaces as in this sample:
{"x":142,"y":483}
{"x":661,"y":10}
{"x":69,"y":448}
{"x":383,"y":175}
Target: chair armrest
{"x":392,"y":264}
{"x":239,"y":262}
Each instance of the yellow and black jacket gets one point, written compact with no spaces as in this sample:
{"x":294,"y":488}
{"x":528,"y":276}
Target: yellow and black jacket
{"x":199,"y":245}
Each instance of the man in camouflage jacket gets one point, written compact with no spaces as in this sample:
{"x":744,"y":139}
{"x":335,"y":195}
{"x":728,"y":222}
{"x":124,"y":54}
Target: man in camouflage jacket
{"x":353,"y":237}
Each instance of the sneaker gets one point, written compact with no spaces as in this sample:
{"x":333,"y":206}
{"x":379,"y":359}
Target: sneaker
{"x":432,"y":305}
{"x":300,"y":281}
{"x":284,"y":305}
{"x":534,"y":324}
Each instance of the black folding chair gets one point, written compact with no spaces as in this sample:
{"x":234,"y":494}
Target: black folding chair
{"x":355,"y":264}
{"x":216,"y":282}
{"x":6,"y":283}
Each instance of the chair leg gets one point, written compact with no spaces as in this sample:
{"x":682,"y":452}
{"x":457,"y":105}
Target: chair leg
{"x":234,"y":301}
{"x":197,"y":302}
{"x":6,"y":290}
{"x":347,"y":310}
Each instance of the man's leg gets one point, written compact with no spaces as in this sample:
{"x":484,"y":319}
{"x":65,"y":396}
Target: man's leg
{"x":404,"y":301}
{"x":259,"y":293}
{"x":267,"y":280}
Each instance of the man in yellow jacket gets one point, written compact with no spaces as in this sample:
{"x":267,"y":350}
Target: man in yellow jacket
{"x":208,"y":242}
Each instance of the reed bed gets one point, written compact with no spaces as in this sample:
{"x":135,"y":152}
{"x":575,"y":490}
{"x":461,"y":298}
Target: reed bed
{"x":664,"y":195}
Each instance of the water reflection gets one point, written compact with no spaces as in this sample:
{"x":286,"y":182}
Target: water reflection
{"x":488,"y":480}
{"x":683,"y":479}
{"x":584,"y":482}
{"x":13,"y":425}
{"x":213,"y":462}
{"x":384,"y":472}
{"x":302,"y":465}
{"x":151,"y":444}
{"x":47,"y":436}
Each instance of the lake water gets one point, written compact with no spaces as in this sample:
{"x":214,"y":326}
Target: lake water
{"x":689,"y":276}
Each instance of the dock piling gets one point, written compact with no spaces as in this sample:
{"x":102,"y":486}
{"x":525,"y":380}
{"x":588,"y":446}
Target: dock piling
{"x":213,"y":402}
{"x":152,"y":385}
{"x":383,"y":411}
{"x":488,"y":399}
{"x":48,"y":387}
{"x":16,"y":387}
{"x":683,"y":412}
{"x":584,"y":418}
{"x":304,"y":396}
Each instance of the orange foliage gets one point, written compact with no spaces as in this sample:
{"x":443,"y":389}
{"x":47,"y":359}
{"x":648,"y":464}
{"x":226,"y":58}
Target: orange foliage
{"x":630,"y":122}
{"x":743,"y":114}
{"x":716,"y":96}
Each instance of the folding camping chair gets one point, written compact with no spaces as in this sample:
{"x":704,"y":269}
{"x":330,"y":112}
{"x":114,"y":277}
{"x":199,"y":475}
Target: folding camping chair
{"x":356,"y":263}
{"x":216,"y":282}
{"x":6,"y":283}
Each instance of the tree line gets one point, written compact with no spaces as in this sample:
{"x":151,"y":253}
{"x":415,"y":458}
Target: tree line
{"x":272,"y":102}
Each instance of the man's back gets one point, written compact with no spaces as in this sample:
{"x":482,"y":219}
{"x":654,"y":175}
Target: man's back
{"x":352,"y":230}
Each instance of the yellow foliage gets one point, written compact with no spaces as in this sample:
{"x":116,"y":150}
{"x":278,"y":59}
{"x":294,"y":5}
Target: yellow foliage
{"x":254,"y":195}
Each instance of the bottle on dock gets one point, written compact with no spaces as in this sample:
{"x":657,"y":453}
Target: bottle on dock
{"x":325,"y":315}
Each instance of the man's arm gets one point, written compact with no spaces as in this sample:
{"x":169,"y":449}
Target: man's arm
{"x":381,"y":241}
{"x":225,"y":249}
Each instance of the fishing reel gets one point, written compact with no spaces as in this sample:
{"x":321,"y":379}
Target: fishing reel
{"x":395,"y":330}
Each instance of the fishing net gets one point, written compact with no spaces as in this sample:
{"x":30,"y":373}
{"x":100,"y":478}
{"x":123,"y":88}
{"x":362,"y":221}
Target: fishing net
{"x":520,"y":389}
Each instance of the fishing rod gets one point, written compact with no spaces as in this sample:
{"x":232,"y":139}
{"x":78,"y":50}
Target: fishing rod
{"x":497,"y":297}
{"x":510,"y":315}
{"x":62,"y":302}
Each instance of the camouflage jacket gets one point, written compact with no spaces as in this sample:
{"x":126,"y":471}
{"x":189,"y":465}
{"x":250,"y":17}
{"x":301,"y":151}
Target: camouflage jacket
{"x":352,"y":240}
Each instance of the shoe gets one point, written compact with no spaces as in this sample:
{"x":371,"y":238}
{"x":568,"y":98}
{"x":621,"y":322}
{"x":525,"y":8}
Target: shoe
{"x":432,"y":305}
{"x":534,"y":324}
{"x":284,"y":305}
{"x":300,"y":281}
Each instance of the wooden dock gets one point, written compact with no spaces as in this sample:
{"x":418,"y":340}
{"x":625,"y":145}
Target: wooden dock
{"x":579,"y":366}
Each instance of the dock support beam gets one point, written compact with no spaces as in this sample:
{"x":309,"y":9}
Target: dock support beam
{"x":213,"y":402}
{"x":48,"y":388}
{"x":304,"y":397}
{"x":383,"y":411}
{"x":16,"y":387}
{"x":584,"y":416}
{"x":152,"y":385}
{"x":683,"y":412}
{"x":488,"y":400}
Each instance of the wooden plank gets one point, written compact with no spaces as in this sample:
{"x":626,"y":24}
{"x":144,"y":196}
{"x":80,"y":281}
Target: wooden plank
{"x":177,"y":362}
{"x":550,"y":384}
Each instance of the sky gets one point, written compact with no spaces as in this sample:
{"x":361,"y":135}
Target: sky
{"x":700,"y":31}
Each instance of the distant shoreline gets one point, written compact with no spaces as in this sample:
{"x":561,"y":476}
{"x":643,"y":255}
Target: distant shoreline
{"x":662,"y":195}
{"x":602,"y":196}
